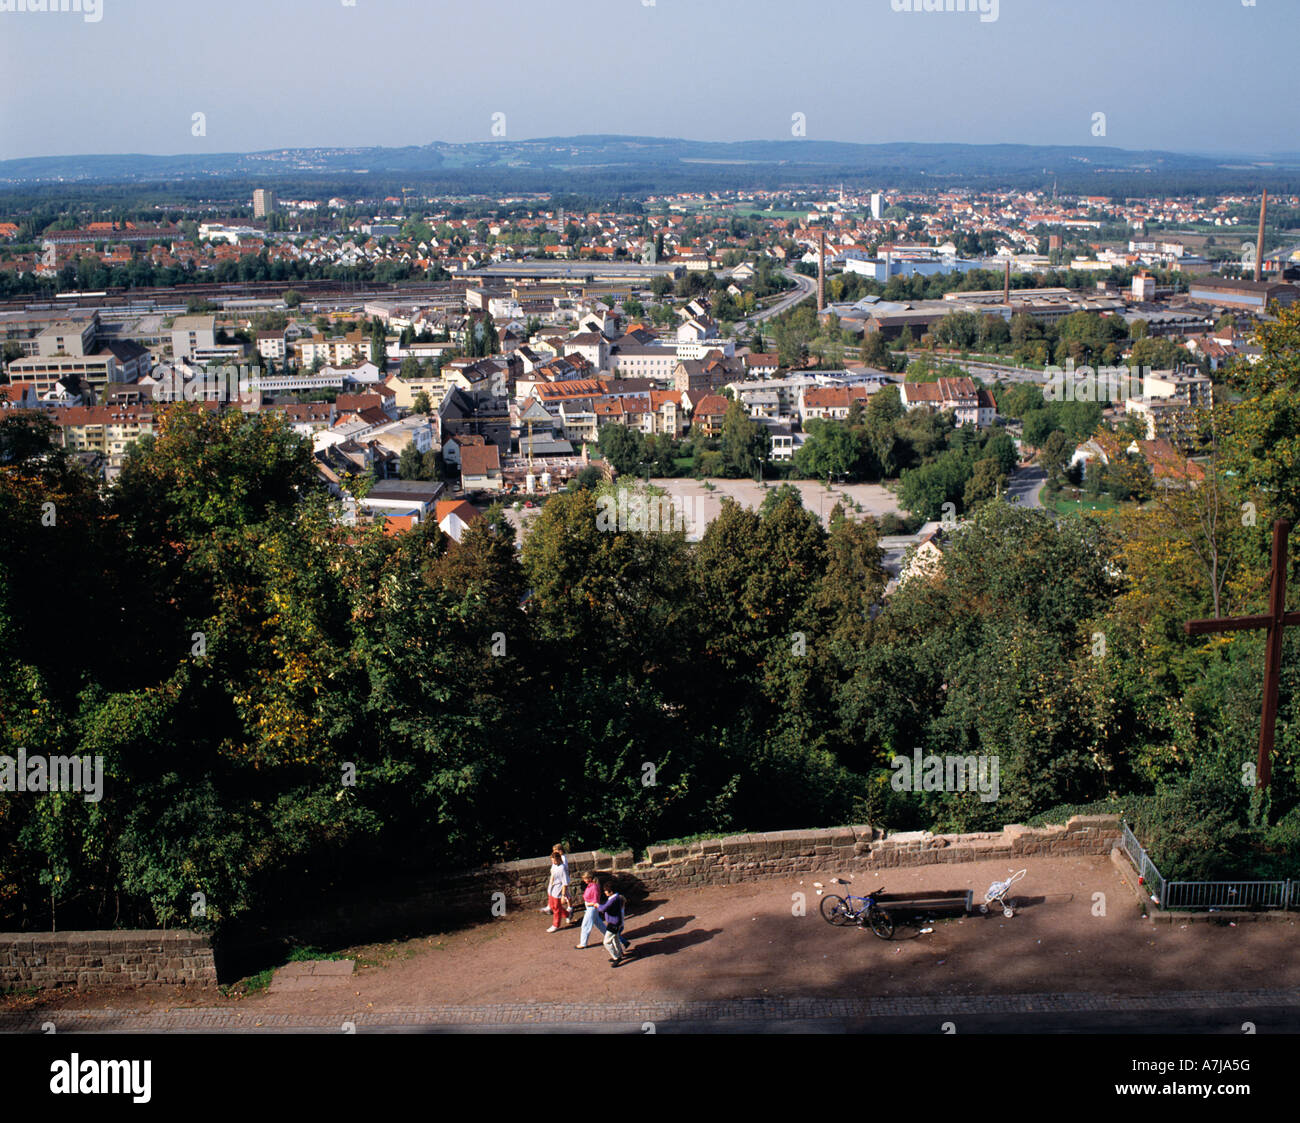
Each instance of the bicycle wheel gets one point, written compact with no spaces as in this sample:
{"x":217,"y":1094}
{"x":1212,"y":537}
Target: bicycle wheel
{"x":836,"y":911}
{"x":882,"y":924}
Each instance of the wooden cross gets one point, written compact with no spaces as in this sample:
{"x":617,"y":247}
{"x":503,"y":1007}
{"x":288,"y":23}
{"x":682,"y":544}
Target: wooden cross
{"x":1277,"y":619}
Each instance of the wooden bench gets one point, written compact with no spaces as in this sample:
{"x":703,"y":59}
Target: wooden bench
{"x":944,"y":901}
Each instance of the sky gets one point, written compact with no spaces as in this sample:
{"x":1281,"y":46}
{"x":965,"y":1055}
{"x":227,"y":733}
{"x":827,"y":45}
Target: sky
{"x":1199,"y":76}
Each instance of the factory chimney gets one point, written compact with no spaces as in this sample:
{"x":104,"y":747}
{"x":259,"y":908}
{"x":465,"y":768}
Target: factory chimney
{"x":1259,"y":241}
{"x":821,"y":268}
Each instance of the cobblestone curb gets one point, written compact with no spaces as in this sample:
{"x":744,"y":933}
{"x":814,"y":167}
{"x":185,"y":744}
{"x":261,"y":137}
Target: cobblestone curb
{"x":747,"y":1009}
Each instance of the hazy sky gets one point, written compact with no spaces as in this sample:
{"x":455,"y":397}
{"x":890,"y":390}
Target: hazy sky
{"x":1183,"y":75}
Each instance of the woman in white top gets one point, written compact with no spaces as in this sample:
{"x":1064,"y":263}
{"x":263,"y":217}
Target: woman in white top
{"x":557,"y":890}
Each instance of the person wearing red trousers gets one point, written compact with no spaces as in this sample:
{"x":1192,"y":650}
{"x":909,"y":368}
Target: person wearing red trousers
{"x":557,"y":891}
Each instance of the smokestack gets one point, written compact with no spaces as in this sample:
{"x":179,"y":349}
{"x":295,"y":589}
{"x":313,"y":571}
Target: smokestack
{"x":1259,"y":241}
{"x":821,"y":268}
{"x":1006,"y":284}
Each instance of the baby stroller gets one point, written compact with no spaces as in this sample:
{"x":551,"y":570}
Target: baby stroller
{"x":997,"y":894}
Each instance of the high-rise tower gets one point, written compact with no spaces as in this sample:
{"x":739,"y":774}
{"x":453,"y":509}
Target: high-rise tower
{"x":263,"y":202}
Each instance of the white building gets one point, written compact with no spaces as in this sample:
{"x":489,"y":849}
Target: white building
{"x":271,"y":345}
{"x":191,"y":334}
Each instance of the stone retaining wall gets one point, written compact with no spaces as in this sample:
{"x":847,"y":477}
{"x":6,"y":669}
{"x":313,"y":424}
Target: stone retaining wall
{"x":51,"y":959}
{"x":755,"y":857}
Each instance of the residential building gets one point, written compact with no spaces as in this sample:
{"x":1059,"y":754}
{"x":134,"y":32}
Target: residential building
{"x":1170,"y":419}
{"x":402,"y":497}
{"x":408,"y":431}
{"x":192,"y":335}
{"x":1189,"y":386}
{"x":712,"y":372}
{"x":271,"y":345}
{"x":483,"y":415}
{"x":1169,"y":467}
{"x":578,"y":419}
{"x":654,"y":361}
{"x":969,"y":404}
{"x":667,"y":413}
{"x":707,"y":415}
{"x":334,"y":350}
{"x":926,"y":557}
{"x":480,"y":468}
{"x":455,"y":516}
{"x":830,"y":403}
{"x":760,"y":364}
{"x":407,"y":389}
{"x":782,"y":439}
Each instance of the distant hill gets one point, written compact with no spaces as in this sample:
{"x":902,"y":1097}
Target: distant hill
{"x":657,"y":163}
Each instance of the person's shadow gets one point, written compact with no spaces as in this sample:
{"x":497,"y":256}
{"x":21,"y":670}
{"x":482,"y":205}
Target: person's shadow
{"x":643,"y":948}
{"x":660,"y":927}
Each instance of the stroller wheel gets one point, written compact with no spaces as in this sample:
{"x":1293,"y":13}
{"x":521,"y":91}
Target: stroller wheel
{"x":1008,"y":912}
{"x":984,"y":909}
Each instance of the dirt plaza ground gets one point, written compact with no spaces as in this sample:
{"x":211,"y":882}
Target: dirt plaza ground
{"x":700,"y":505}
{"x":750,"y":941}
{"x":705,"y":505}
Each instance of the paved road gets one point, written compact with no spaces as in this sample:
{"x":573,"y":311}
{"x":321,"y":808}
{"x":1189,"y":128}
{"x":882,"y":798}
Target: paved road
{"x":987,"y":371}
{"x":807,"y":287}
{"x":1024,"y":488}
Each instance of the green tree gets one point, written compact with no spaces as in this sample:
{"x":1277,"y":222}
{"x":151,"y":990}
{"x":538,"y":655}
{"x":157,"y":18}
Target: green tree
{"x":1056,"y":453}
{"x":987,"y":482}
{"x":379,"y":345}
{"x":411,"y":465}
{"x":623,"y":448}
{"x":832,"y":451}
{"x":1262,"y":438}
{"x":926,"y":489}
{"x":745,"y":442}
{"x":1039,"y":424}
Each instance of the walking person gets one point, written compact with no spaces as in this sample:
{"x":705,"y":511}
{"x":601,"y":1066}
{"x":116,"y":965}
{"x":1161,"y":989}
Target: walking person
{"x":557,"y":890}
{"x":591,"y":910}
{"x":613,"y":912}
{"x":558,"y":848}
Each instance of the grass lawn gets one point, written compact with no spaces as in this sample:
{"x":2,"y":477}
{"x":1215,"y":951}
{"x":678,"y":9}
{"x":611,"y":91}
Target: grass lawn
{"x":1075,"y":506}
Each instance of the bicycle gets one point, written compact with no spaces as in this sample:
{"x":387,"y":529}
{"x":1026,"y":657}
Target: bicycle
{"x":840,"y":911}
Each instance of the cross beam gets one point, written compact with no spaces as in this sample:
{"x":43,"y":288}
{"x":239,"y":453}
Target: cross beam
{"x":1273,"y":624}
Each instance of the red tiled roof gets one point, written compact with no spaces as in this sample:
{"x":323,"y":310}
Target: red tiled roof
{"x":826,"y":397}
{"x":479,"y":460}
{"x":573,"y":388}
{"x":711,"y":404}
{"x":399,"y":524}
{"x":464,"y":510}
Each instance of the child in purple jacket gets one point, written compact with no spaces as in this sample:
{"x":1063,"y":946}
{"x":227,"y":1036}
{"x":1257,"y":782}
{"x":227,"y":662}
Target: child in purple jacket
{"x":613,"y":912}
